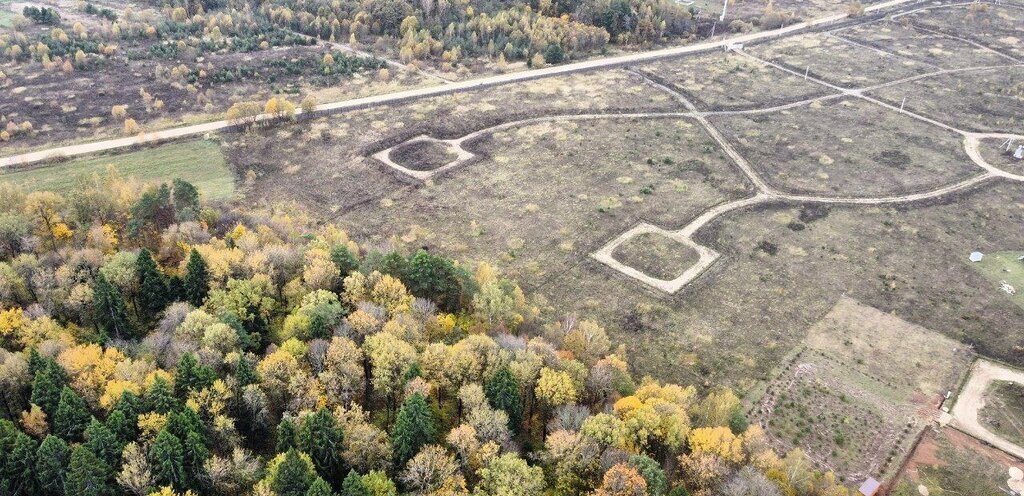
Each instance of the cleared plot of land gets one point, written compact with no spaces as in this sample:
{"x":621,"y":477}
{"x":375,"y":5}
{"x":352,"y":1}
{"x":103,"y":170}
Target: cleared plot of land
{"x":199,"y":162}
{"x":656,"y":255}
{"x":323,"y":162}
{"x":847,"y":147}
{"x":949,"y":462}
{"x":907,"y":41}
{"x":840,"y":62}
{"x":545,"y":195}
{"x":988,"y":100}
{"x":905,"y":357}
{"x":423,"y":155}
{"x":1003,"y":412}
{"x":866,"y":382}
{"x":993,"y":151}
{"x":727,"y":81}
{"x":1005,"y":274}
{"x":996,"y":26}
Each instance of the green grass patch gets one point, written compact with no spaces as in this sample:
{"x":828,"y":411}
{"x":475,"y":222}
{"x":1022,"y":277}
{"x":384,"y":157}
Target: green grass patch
{"x":199,"y":162}
{"x":6,"y":14}
{"x":1003,"y":267}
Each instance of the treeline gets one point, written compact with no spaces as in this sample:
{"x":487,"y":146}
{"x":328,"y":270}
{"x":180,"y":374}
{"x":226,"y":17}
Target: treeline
{"x":155,"y":344}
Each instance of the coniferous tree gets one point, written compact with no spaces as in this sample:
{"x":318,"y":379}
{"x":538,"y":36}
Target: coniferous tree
{"x":46,"y":386}
{"x":344,"y":260}
{"x":320,"y":438}
{"x":196,"y":455}
{"x":245,"y":372}
{"x":287,"y":435}
{"x":197,"y":279}
{"x":186,"y":201}
{"x":191,"y":376}
{"x":109,"y":310}
{"x":167,"y":459}
{"x":103,"y":443}
{"x":123,"y":418}
{"x":503,"y":393}
{"x":153,"y":295}
{"x":18,"y":469}
{"x":320,"y":487}
{"x":160,"y":398}
{"x":35,"y":362}
{"x":414,"y":428}
{"x":294,"y":477}
{"x":120,"y":427}
{"x":71,"y":417}
{"x":52,"y":460}
{"x":87,"y":475}
{"x":353,"y":485}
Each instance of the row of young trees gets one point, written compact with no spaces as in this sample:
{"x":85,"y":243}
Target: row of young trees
{"x":156,"y":345}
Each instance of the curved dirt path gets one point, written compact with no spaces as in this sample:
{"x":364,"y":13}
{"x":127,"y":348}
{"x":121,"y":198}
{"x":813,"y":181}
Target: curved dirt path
{"x":471,"y":84}
{"x":972,"y":399}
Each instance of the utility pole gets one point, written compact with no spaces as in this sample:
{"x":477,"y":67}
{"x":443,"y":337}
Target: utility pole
{"x":725,"y":3}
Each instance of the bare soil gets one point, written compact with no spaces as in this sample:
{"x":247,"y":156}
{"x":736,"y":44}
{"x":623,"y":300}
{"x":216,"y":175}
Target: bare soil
{"x":656,"y":255}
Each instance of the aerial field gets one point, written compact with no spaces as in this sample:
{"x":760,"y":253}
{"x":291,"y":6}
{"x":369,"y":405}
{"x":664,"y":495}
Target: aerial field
{"x":199,"y":162}
{"x":949,"y":462}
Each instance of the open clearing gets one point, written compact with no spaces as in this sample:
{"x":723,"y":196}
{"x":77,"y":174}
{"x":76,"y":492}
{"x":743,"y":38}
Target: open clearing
{"x":973,"y":398}
{"x":996,"y":26}
{"x":993,"y":151}
{"x":950,"y":462}
{"x":656,"y":255}
{"x":837,"y":60}
{"x":728,"y":81}
{"x":847,"y":147}
{"x":1003,"y":412}
{"x":199,"y":162}
{"x":862,"y":388}
{"x":1005,"y":273}
{"x":907,"y":41}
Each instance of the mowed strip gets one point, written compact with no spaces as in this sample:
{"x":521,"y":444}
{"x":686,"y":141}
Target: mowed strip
{"x":199,"y":162}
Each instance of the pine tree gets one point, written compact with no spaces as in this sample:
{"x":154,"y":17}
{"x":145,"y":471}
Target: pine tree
{"x":46,"y":386}
{"x":344,"y":260}
{"x":294,"y":477}
{"x":167,"y":459}
{"x":245,"y":372}
{"x":109,"y":311}
{"x":503,"y":393}
{"x":71,"y":417}
{"x":197,"y":279}
{"x":18,"y":470}
{"x":87,"y":475}
{"x":153,"y":296}
{"x":414,"y":428}
{"x":52,"y":460}
{"x":119,"y":426}
{"x":320,"y":487}
{"x":353,"y":485}
{"x":160,"y":398}
{"x":123,"y":419}
{"x":103,"y":443}
{"x":35,"y":362}
{"x":287,"y":435}
{"x":320,"y":437}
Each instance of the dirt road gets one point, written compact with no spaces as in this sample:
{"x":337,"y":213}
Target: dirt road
{"x":472,"y":84}
{"x":972,"y":400}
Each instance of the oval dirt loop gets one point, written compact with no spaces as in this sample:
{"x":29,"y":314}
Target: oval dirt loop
{"x":972,"y":400}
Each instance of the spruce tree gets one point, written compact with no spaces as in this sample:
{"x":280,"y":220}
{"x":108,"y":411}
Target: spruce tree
{"x":503,"y":393}
{"x":196,"y":455}
{"x":101,"y":441}
{"x":320,"y":437}
{"x":71,"y":417}
{"x":320,"y":487}
{"x":109,"y":311}
{"x":52,"y":460}
{"x":35,"y":361}
{"x":294,"y":477}
{"x":197,"y":279}
{"x":18,"y":470}
{"x":46,"y":386}
{"x":287,"y":435}
{"x":166,"y":456}
{"x":414,"y":428}
{"x":245,"y":372}
{"x":344,"y":260}
{"x":120,"y":427}
{"x":353,"y":485}
{"x":87,"y":475}
{"x":186,"y":201}
{"x":123,"y":418}
{"x":153,"y":295}
{"x":160,"y":398}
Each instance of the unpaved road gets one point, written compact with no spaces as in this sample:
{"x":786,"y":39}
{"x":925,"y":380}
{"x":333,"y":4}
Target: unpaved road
{"x":401,"y":96}
{"x":972,"y":400}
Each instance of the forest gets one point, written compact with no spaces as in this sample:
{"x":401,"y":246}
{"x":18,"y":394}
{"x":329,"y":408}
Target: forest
{"x":154,"y":343}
